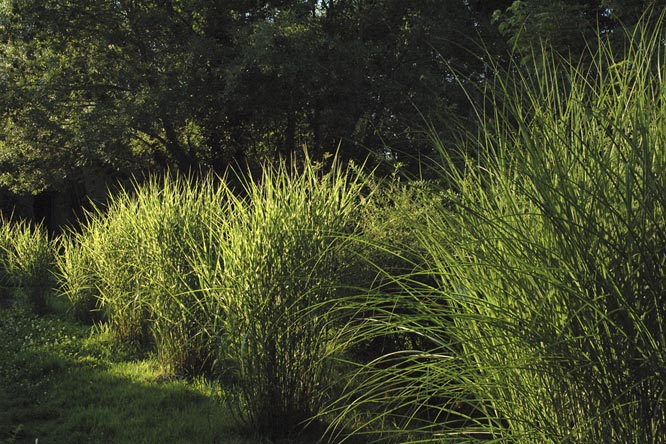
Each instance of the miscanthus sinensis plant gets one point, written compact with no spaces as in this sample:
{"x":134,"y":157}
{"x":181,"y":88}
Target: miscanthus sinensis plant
{"x":547,"y":322}
{"x":273,"y":266}
{"x":236,"y":282}
{"x":129,"y":266}
{"x":27,"y":258}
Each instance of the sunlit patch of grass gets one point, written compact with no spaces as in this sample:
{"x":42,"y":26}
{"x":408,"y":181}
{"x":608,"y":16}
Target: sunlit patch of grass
{"x":67,"y":383}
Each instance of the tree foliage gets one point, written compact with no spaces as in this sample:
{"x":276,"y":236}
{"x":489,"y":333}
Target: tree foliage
{"x":127,"y":86}
{"x":123,"y":87}
{"x":567,"y":26}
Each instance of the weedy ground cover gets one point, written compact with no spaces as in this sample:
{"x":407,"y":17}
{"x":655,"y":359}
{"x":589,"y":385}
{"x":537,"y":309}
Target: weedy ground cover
{"x":64,"y":382}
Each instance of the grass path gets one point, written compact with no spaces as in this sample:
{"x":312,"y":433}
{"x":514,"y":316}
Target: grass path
{"x":65,"y":383}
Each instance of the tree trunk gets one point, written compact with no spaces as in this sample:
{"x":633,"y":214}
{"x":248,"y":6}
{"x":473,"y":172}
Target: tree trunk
{"x":174,"y":148}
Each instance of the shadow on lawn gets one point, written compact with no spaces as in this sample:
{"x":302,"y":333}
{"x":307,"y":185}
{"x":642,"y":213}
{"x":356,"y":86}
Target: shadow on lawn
{"x":79,"y":404}
{"x":61,"y":384}
{"x":61,"y":390}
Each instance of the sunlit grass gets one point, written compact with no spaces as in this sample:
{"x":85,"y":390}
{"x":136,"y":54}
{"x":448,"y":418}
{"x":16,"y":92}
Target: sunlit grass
{"x":66,"y":383}
{"x":27,"y":259}
{"x":129,"y":267}
{"x":520,"y":302}
{"x":233,"y":284}
{"x":272,"y":266}
{"x":546,"y":319}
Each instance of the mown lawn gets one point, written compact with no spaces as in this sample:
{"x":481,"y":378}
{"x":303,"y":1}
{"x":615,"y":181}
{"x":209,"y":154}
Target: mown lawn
{"x":61,"y":382}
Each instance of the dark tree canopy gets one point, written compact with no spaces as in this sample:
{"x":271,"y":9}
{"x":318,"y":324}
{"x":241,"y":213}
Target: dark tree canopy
{"x":126,"y":86}
{"x":121,"y":87}
{"x":567,"y":26}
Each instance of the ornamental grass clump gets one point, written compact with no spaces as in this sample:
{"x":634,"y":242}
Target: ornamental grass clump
{"x":129,"y":266}
{"x":274,"y":264}
{"x":5,"y":238}
{"x":182,"y":320}
{"x":117,"y":246}
{"x":547,"y":322}
{"x":76,"y":273}
{"x":27,"y":260}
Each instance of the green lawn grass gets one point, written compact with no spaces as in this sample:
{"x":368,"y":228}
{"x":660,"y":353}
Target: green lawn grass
{"x":61,"y":382}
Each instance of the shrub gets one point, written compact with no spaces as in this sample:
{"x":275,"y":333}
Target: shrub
{"x":389,"y":247}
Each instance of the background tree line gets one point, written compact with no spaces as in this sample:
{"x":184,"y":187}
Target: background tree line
{"x":92,"y":92}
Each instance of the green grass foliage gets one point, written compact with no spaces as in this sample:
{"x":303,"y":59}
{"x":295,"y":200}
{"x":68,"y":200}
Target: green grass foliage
{"x":76,"y":277}
{"x":273,"y":266}
{"x":129,"y":266}
{"x":27,"y":259}
{"x":546,"y":321}
{"x":231,"y":283}
{"x":68,"y":383}
{"x":521,"y":302}
{"x":5,"y":245}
